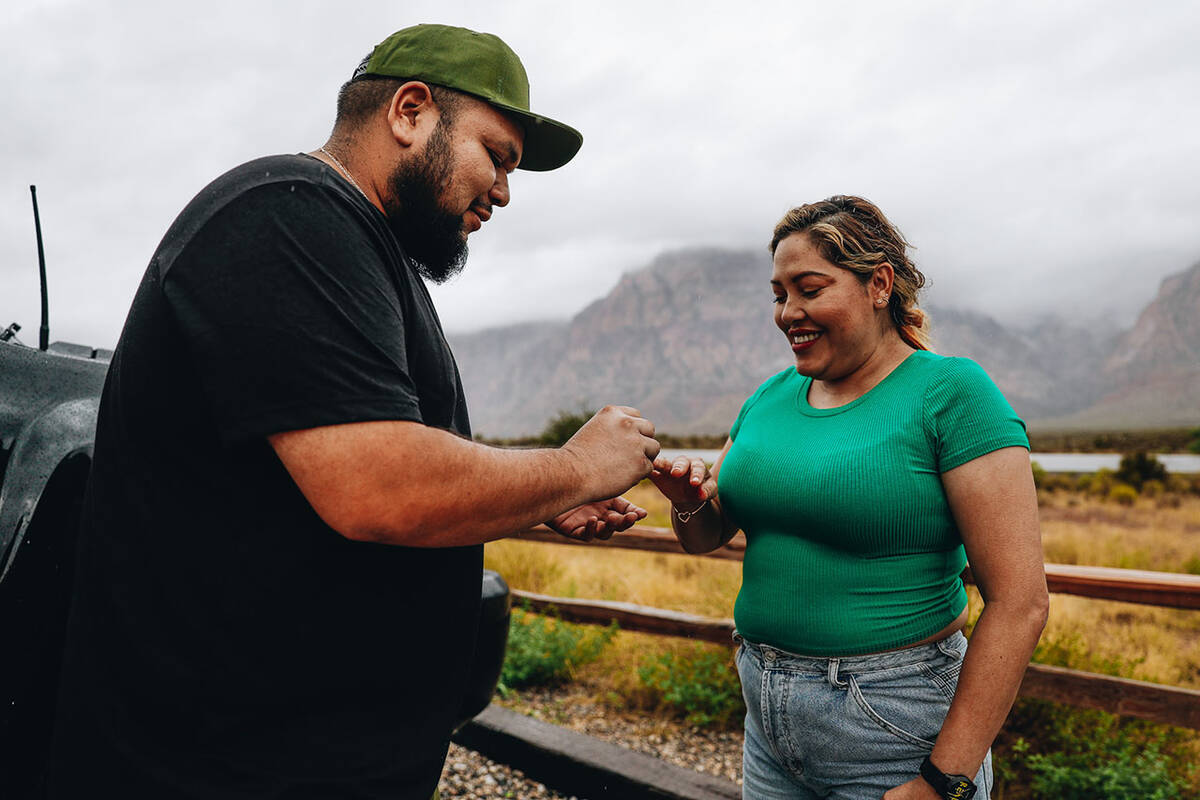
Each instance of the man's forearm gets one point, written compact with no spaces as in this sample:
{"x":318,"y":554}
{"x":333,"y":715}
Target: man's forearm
{"x":408,"y":484}
{"x":469,"y":493}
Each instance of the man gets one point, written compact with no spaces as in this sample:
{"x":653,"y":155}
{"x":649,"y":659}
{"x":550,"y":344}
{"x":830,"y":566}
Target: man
{"x":279,"y":569}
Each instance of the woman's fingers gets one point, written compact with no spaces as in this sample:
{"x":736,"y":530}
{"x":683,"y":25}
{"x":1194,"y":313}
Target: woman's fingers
{"x":683,"y":479}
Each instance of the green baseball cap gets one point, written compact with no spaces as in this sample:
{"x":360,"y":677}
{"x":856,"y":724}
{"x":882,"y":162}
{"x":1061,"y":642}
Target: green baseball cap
{"x":478,"y":64}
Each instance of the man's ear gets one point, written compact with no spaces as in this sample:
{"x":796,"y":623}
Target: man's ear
{"x":411,"y":109}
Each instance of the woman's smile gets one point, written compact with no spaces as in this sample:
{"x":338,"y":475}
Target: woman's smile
{"x":803,"y":339}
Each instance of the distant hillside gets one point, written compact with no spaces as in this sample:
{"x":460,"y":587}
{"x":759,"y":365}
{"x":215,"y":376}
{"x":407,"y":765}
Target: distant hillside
{"x":1151,"y":378}
{"x":1045,"y":370}
{"x":687,"y":338}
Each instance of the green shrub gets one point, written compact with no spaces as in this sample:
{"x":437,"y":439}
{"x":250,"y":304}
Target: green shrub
{"x":544,"y":650}
{"x":1153,"y":488}
{"x":563,"y":426}
{"x":701,"y":685}
{"x":1099,"y":482}
{"x":1122,"y":493}
{"x":1126,"y":776}
{"x":1137,"y":468}
{"x":1039,"y":475}
{"x":1064,"y":752}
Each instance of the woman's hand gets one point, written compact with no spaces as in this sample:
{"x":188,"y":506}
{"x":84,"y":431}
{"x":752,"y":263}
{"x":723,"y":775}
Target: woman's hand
{"x":684,"y":480}
{"x":696,"y":515}
{"x":916,"y":789}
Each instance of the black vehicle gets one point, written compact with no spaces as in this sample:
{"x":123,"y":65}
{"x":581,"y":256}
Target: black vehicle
{"x":49,"y":397}
{"x":48,"y":401}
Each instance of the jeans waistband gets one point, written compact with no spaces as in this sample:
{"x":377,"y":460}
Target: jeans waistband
{"x":774,"y":657}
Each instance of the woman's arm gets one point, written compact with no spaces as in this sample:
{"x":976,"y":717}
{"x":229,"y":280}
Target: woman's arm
{"x":692,"y":490}
{"x":995,"y":505}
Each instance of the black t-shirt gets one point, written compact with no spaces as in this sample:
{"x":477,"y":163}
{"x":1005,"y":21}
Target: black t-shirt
{"x":224,"y":641}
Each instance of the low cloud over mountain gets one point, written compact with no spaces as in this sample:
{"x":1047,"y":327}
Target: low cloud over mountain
{"x":689,"y":337}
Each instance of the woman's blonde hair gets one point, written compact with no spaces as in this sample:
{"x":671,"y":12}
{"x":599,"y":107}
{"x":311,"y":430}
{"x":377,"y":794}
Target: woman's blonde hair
{"x":854,"y":234}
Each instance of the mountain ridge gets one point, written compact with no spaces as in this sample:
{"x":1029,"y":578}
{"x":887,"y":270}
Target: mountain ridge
{"x":688,"y":337}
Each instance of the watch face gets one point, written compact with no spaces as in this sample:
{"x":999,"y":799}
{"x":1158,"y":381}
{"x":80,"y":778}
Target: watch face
{"x":950,"y":787}
{"x":960,"y":788}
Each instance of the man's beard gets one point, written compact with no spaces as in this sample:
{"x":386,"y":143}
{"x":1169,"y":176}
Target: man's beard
{"x":431,"y":237}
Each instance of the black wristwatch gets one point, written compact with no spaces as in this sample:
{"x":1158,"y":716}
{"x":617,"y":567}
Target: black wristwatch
{"x":951,"y":787}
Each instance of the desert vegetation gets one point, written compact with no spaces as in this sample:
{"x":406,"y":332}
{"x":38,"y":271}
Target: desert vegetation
{"x":1152,"y":440}
{"x":1136,"y":517}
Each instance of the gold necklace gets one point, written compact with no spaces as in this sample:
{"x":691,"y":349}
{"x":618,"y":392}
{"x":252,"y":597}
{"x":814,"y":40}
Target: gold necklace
{"x":342,"y":168}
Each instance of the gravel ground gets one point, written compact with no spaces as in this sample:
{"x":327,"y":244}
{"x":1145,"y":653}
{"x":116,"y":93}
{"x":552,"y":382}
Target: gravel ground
{"x":468,"y":774}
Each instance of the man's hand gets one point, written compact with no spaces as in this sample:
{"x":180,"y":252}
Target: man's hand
{"x":599,"y":520}
{"x":916,"y":789}
{"x":613,"y":450}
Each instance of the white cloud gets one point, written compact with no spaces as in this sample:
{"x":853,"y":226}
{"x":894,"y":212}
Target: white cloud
{"x":1041,"y":156}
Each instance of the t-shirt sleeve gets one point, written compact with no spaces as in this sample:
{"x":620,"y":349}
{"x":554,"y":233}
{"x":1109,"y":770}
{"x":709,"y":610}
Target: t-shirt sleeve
{"x":754,"y":398}
{"x":967,"y":416}
{"x":291,"y":315}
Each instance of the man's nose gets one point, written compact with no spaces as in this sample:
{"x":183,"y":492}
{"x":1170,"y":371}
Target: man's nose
{"x":499,"y":193}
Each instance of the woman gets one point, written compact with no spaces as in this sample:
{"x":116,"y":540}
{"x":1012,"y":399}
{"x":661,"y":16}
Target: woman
{"x":859,"y":476}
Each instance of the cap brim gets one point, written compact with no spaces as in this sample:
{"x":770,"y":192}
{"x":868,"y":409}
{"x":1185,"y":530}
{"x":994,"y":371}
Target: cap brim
{"x":548,"y":143}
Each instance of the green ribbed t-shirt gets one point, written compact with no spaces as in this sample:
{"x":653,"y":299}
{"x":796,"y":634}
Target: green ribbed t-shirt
{"x":850,"y":544}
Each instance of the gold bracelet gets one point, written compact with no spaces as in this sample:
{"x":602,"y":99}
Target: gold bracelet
{"x":684,"y":516}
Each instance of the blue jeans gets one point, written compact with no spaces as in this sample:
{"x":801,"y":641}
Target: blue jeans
{"x":844,"y":728}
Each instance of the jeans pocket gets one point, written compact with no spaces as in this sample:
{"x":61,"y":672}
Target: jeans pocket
{"x":783,"y":710}
{"x":945,"y":669}
{"x":749,"y":673}
{"x":909,"y":703}
{"x":953,"y":646}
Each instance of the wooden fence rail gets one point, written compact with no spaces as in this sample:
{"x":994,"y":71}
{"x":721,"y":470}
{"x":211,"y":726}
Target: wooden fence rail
{"x":1169,"y":705}
{"x":1167,"y":589}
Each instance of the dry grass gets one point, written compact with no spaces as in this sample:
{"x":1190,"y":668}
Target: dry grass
{"x":682,"y":583}
{"x":1151,"y":534}
{"x":1160,"y":645}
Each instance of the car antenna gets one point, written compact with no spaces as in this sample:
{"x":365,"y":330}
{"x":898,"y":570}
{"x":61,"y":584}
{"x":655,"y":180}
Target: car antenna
{"x":44,"y":331}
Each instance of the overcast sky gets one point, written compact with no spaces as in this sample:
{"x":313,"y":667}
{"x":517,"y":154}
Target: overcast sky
{"x":1041,"y":156}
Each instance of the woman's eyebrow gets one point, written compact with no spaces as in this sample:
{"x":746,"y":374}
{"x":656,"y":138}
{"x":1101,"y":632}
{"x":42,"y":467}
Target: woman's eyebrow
{"x":805,"y":274}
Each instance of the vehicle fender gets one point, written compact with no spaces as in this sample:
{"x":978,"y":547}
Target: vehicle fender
{"x":43,"y":443}
{"x":491,"y":640}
